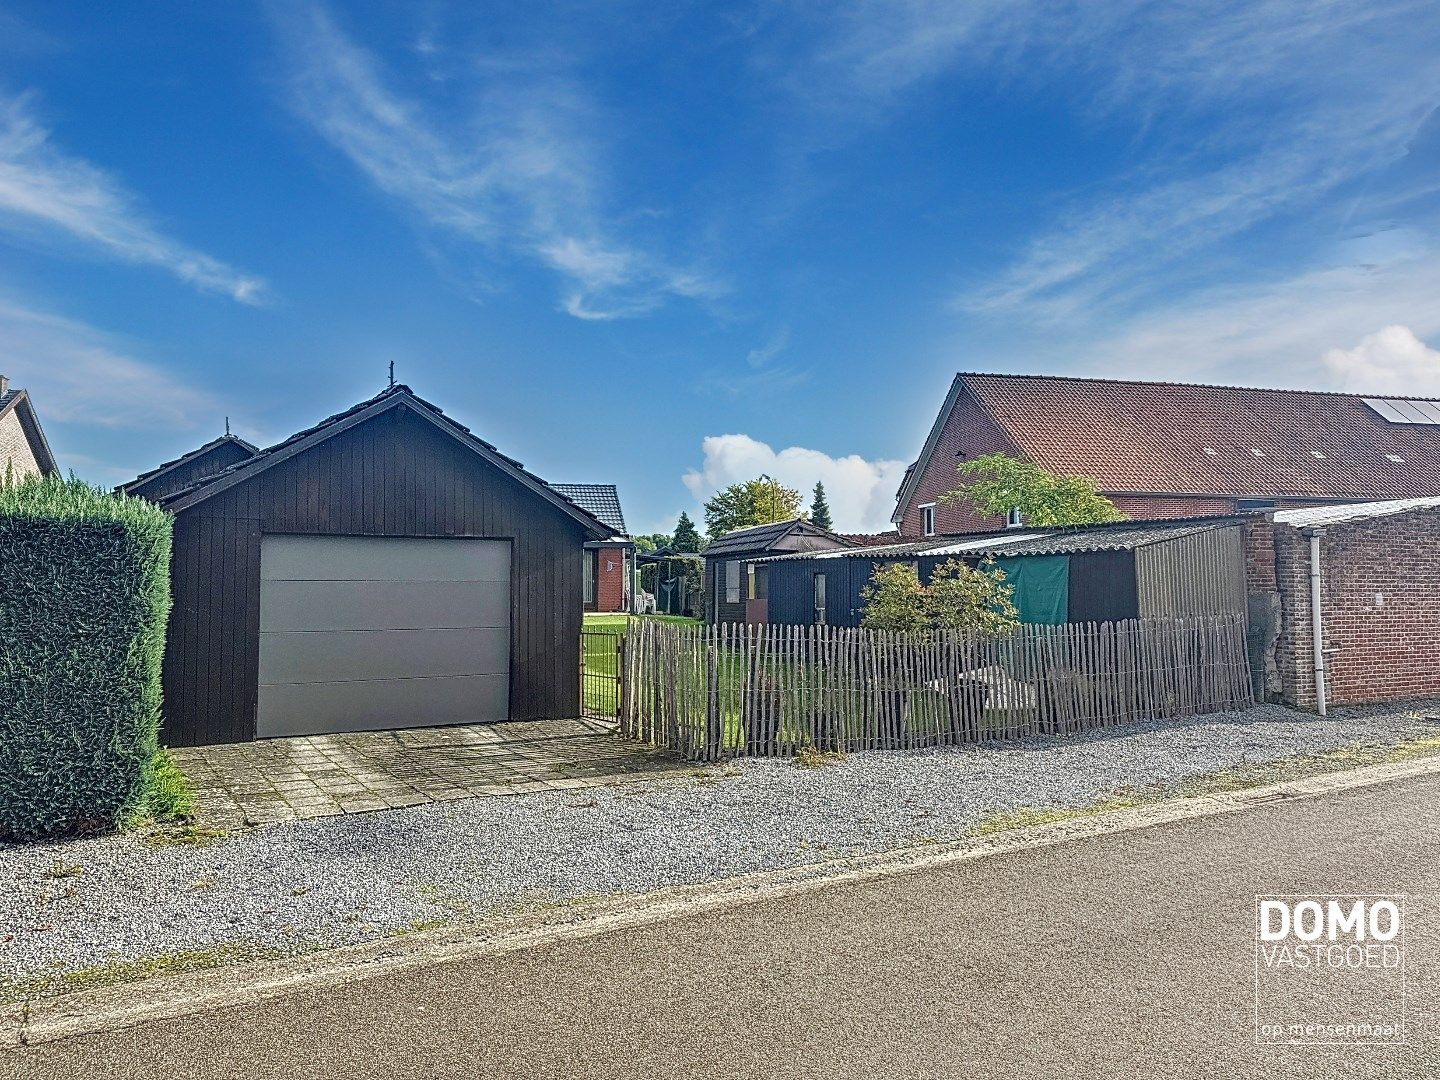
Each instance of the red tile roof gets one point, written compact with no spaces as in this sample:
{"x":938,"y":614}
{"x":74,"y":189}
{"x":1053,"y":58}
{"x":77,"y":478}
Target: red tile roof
{"x":1181,"y":438}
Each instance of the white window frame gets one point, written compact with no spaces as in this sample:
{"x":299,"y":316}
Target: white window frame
{"x":820,"y":596}
{"x":732,"y":581}
{"x":927,"y":519}
{"x":1014,"y":519}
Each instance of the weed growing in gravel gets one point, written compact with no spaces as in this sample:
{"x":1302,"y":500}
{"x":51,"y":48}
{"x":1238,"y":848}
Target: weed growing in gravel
{"x":56,"y":982}
{"x":165,"y":793}
{"x":1225,"y":780}
{"x":61,"y":869}
{"x":189,"y":835}
{"x":807,"y":757}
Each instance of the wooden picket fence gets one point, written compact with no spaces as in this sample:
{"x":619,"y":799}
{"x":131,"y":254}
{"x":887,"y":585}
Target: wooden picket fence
{"x":724,"y":691}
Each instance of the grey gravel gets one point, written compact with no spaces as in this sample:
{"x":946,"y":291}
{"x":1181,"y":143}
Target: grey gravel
{"x":332,"y":881}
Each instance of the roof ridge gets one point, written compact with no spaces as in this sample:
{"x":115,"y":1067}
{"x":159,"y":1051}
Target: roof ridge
{"x":1189,"y":385}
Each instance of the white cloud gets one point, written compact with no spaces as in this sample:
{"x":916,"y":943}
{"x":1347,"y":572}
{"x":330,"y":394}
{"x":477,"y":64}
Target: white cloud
{"x":45,"y":192}
{"x":1277,"y":333}
{"x":76,"y":374}
{"x":1389,"y":361}
{"x":518,"y":169}
{"x":861,"y":493}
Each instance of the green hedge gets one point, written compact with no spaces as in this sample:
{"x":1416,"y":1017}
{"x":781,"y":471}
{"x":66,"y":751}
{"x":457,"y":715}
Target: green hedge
{"x":84,"y":594}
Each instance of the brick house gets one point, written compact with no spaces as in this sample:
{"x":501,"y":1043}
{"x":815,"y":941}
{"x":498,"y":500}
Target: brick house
{"x":1378,"y":570}
{"x":23,"y":449}
{"x":609,"y":564}
{"x":1167,"y":450}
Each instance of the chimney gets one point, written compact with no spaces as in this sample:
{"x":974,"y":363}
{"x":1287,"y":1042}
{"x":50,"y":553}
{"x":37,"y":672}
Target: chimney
{"x":4,"y":384}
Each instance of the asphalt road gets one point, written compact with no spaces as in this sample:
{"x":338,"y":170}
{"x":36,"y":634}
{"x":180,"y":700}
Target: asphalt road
{"x":1126,"y":956}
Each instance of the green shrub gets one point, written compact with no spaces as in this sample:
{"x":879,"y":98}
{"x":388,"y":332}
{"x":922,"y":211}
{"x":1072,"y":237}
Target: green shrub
{"x":165,"y":793}
{"x":84,"y":594}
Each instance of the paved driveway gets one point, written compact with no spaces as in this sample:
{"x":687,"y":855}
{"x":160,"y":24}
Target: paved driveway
{"x":320,"y":775}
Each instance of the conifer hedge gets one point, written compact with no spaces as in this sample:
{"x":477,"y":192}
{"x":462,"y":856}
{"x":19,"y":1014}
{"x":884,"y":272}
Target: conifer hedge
{"x":84,"y":595}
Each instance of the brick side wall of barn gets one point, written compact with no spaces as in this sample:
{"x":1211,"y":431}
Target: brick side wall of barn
{"x":1380,"y":601}
{"x":968,"y":433}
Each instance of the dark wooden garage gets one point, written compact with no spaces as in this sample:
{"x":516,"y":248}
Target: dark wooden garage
{"x":474,"y":617}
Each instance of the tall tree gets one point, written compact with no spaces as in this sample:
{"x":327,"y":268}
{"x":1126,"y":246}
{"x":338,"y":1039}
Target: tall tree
{"x":687,"y":537}
{"x":819,"y":508}
{"x":1044,"y":499}
{"x":754,"y":502}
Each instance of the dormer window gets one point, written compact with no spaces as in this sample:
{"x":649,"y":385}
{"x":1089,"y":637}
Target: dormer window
{"x":927,"y":519}
{"x":1014,"y":520}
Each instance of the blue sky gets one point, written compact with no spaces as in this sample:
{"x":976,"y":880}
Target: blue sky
{"x":672,"y":246}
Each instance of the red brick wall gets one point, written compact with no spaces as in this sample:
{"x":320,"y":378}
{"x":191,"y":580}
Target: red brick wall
{"x":968,"y":433}
{"x":610,"y":579}
{"x":1380,"y":601}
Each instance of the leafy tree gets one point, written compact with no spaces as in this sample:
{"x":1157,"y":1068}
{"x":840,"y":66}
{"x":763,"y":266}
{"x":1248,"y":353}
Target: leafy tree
{"x":754,"y":502}
{"x":819,"y":508}
{"x":959,"y":597}
{"x":647,"y":542}
{"x":1003,"y":483}
{"x":687,"y":537}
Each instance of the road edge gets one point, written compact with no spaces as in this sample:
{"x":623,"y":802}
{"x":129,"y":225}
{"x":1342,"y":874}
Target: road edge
{"x":167,"y":997}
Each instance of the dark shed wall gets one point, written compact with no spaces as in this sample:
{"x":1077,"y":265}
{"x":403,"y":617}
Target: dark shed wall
{"x":394,"y":475}
{"x":1102,"y":586}
{"x":213,"y":461}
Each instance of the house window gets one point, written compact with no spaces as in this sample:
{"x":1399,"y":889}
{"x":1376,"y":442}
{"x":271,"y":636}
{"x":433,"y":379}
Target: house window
{"x":820,"y":599}
{"x":732,"y":581}
{"x":1014,"y":520}
{"x":1254,"y":504}
{"x":927,"y":519}
{"x":589,"y":577}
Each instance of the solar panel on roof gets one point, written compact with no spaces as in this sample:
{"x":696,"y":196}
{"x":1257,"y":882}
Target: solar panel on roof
{"x":1406,"y":411}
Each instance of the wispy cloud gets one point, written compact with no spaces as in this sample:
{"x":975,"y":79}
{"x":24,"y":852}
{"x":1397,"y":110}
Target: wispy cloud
{"x":47,"y":194}
{"x":1234,"y":115}
{"x":516,"y":168}
{"x":861,"y":492}
{"x":77,"y":374}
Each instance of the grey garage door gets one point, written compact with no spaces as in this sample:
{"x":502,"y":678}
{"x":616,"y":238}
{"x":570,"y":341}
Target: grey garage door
{"x":365,"y":633}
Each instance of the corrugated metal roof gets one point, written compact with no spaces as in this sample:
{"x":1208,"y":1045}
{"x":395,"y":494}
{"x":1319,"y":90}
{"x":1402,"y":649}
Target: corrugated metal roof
{"x":1316,"y":516}
{"x":601,"y":500}
{"x":1119,"y":536}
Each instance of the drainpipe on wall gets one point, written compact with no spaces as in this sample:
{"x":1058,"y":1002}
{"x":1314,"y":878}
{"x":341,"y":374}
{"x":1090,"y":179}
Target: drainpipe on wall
{"x":1317,"y":622}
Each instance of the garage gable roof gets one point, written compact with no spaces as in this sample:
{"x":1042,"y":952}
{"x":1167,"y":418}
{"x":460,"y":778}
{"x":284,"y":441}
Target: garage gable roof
{"x":394,"y":397}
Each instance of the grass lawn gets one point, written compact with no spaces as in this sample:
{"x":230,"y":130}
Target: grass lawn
{"x":598,"y":657}
{"x":616,"y":624}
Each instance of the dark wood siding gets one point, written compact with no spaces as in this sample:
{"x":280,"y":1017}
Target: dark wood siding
{"x":393,"y":475}
{"x":1102,"y":586}
{"x":215,"y":460}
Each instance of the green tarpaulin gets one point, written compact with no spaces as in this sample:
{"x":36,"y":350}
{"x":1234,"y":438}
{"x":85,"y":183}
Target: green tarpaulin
{"x":1042,"y":587}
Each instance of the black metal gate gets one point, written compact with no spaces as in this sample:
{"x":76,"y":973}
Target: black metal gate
{"x":601,"y":667}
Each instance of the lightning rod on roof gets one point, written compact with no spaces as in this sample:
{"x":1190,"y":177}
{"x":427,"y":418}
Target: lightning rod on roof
{"x":227,"y":425}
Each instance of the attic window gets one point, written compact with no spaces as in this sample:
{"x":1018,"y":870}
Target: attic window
{"x":927,"y":519}
{"x":1211,"y":451}
{"x":1395,"y":458}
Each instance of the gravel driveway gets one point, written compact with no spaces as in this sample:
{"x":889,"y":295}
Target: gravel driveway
{"x":299,"y":885}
